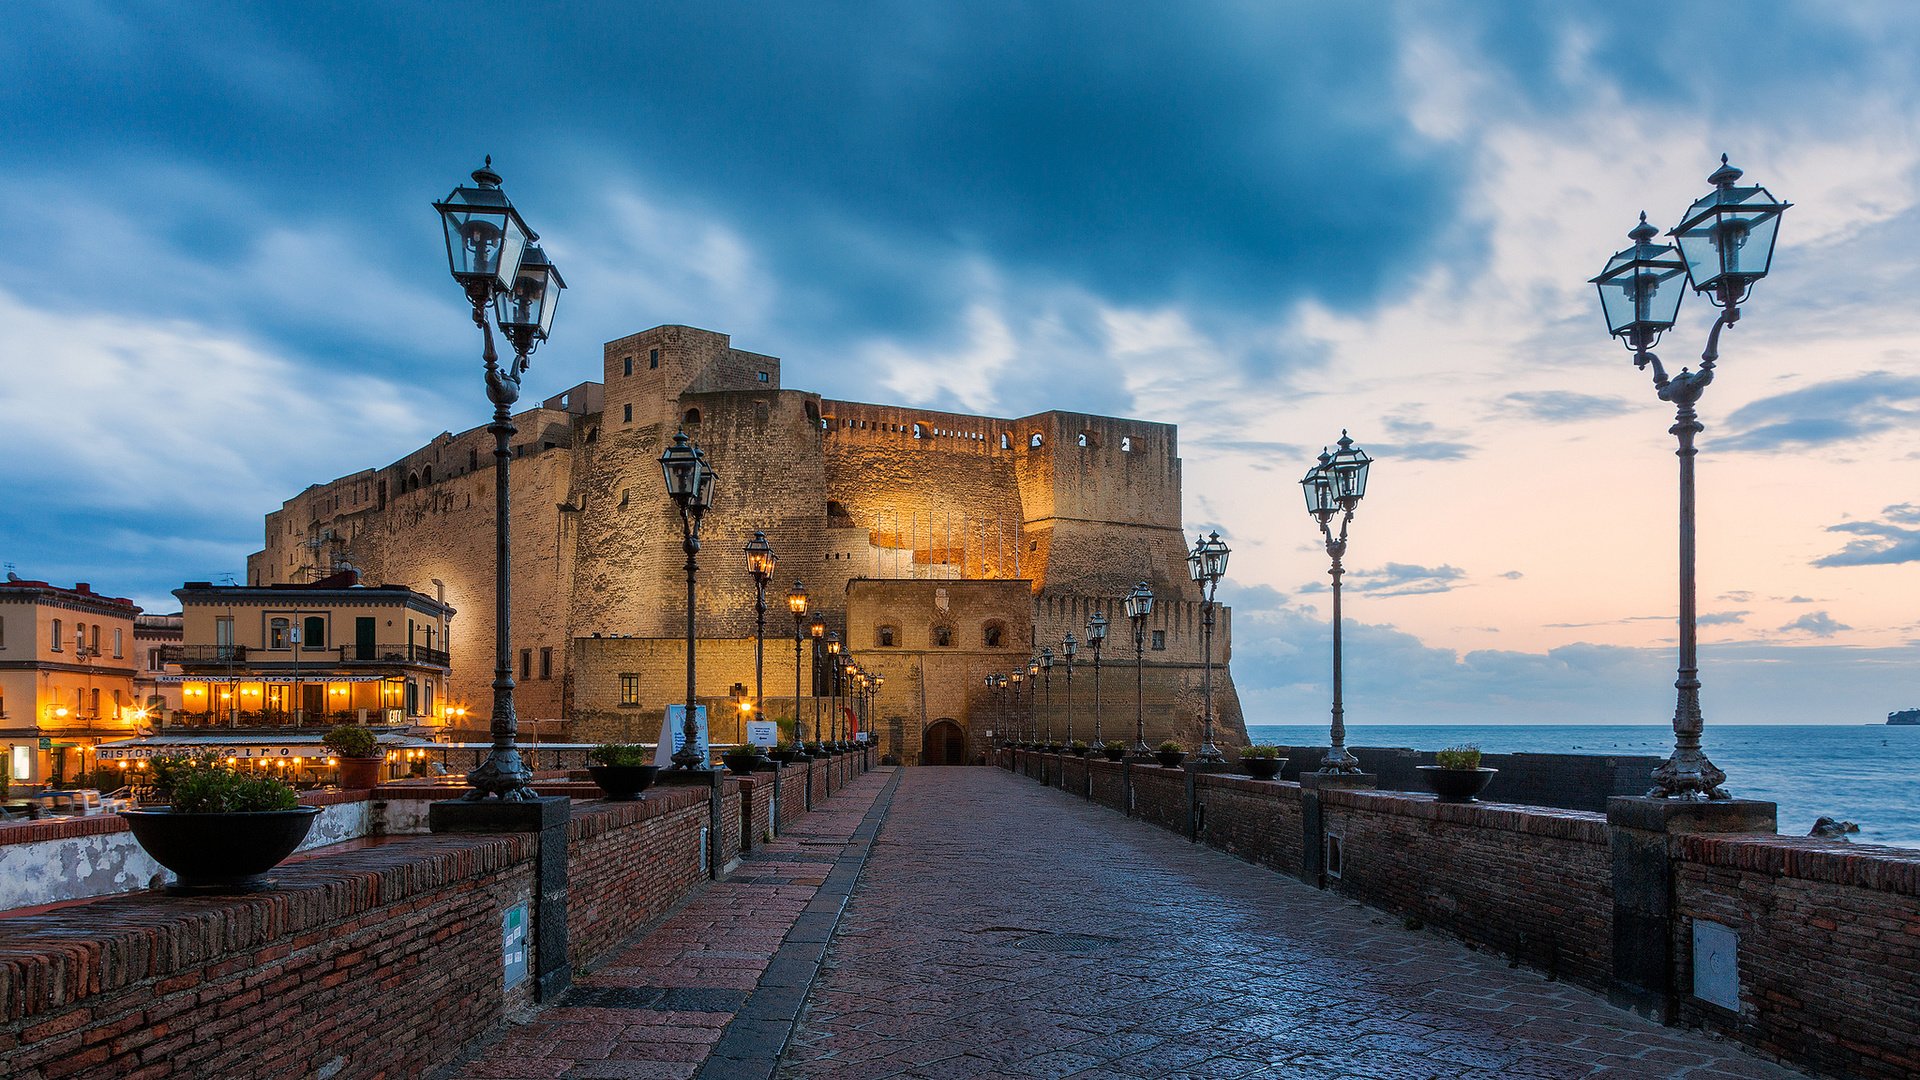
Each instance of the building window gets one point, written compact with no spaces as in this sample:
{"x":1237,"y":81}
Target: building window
{"x":627,"y":413}
{"x":885,"y":637}
{"x":3,"y":633}
{"x":653,"y":359}
{"x":1126,"y":444}
{"x":153,"y":661}
{"x":763,"y":377}
{"x":526,"y":664}
{"x":1004,"y":442}
{"x":93,"y":702}
{"x":943,"y":637}
{"x":546,"y":663}
{"x":917,"y":433}
{"x":993,"y":635}
{"x":692,"y":418}
{"x":277,"y":634}
{"x":314,"y":632}
{"x":1035,"y":439}
{"x":629,"y":366}
{"x":56,"y":646}
{"x":118,"y":644}
{"x":629,"y":689}
{"x":1159,"y":639}
{"x":473,"y":458}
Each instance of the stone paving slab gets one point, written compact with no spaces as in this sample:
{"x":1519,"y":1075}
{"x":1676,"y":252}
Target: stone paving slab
{"x":720,"y":981}
{"x":1003,"y":929}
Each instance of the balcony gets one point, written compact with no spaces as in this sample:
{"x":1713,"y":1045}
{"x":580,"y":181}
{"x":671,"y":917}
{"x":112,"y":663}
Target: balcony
{"x":402,"y":652}
{"x":203,"y":654}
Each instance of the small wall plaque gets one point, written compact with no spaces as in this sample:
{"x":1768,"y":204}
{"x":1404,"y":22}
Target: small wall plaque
{"x":513,"y":944}
{"x":1716,"y":964}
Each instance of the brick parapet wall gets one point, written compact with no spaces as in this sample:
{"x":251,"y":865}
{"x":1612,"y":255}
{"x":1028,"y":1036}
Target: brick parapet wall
{"x":33,"y":832}
{"x":1160,"y":795}
{"x":1257,"y":820}
{"x":629,"y":863}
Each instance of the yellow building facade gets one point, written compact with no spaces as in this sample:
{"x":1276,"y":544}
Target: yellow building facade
{"x":67,"y":664}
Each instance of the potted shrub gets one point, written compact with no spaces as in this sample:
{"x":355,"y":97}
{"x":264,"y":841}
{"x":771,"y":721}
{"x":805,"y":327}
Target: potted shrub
{"x":1456,"y":776}
{"x":815,"y":750}
{"x":1078,"y":748}
{"x":785,"y":753}
{"x":1054,"y":746}
{"x":1261,"y":762}
{"x":1115,"y":750}
{"x":622,"y":770}
{"x":743,"y":758}
{"x":1171,"y":754}
{"x":222,"y":830}
{"x":359,"y":753}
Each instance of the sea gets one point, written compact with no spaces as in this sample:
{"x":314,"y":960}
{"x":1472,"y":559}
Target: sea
{"x":1869,"y":775}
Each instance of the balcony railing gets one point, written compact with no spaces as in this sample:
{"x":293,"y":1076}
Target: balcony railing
{"x":403,"y":652}
{"x":400,"y":652}
{"x":203,"y":654}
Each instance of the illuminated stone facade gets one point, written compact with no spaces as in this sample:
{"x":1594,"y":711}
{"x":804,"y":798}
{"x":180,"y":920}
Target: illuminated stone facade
{"x":879,"y":509}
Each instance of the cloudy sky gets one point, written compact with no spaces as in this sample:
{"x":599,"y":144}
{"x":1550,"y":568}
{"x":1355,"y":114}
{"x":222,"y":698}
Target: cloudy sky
{"x":1264,"y":222}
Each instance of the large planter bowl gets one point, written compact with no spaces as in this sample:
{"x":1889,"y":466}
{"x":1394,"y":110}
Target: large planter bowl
{"x":620,"y":783}
{"x":1114,"y":753}
{"x":742,"y":764}
{"x":784,"y":757}
{"x":1455,"y":785}
{"x":220,"y":853}
{"x":1079,"y":751}
{"x":1262,"y":768}
{"x":361,"y":772}
{"x":1170,"y":759}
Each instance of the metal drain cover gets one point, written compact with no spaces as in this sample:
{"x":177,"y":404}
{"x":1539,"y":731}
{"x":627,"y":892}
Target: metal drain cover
{"x":1066,"y":943}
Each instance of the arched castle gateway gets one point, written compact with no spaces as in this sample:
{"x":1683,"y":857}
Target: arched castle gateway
{"x":943,"y":547}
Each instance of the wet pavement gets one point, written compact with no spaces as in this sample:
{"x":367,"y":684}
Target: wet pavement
{"x":1004,"y":929}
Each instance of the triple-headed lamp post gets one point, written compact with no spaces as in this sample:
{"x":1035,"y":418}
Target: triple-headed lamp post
{"x":690,"y":480}
{"x":1335,"y":485}
{"x":495,"y":259}
{"x":1096,"y":637}
{"x":1723,"y":245}
{"x":1207,"y":564}
{"x":1139,"y":604}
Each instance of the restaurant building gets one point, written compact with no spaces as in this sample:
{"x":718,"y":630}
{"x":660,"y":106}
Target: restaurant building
{"x":66,"y":678}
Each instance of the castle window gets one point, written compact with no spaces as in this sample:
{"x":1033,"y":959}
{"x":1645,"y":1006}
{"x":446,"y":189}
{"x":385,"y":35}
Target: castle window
{"x":943,"y":637}
{"x":526,"y":664}
{"x":1035,"y":439}
{"x":1082,"y":440}
{"x":546,"y":663}
{"x":413,"y":482}
{"x":426,"y":475}
{"x":763,"y":376}
{"x":627,"y":414}
{"x":629,"y":365}
{"x":1159,"y":639}
{"x":813,"y":412}
{"x":885,"y":637}
{"x":473,"y":458}
{"x":692,"y":418}
{"x":629,"y":689}
{"x":593,"y":434}
{"x":917,"y":433}
{"x":1003,"y":442}
{"x":1126,"y":444}
{"x":993,"y":635}
{"x":653,"y":359}
{"x":760,"y":413}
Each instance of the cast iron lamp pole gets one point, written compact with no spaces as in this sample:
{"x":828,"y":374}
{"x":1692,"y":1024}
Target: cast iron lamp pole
{"x":817,"y":630}
{"x":797,"y":603}
{"x":690,"y":480}
{"x":833,"y":689}
{"x":1096,"y":637}
{"x":1046,"y":687}
{"x":492,"y":254}
{"x":1723,"y":245}
{"x":1071,"y":648}
{"x":1024,"y":719}
{"x":1207,"y":564}
{"x":879,"y":683}
{"x":1335,"y":485}
{"x":1010,"y":711}
{"x":1139,"y":604}
{"x":760,"y":565}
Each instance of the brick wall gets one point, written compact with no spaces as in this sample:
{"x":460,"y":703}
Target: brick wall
{"x":1257,"y":820}
{"x":629,"y":863}
{"x":1829,"y":948}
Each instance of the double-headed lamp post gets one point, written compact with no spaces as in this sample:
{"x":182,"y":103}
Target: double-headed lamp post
{"x":1139,"y":605}
{"x":1335,"y":485}
{"x":1025,"y":720}
{"x":761,"y":562}
{"x":1096,"y":637}
{"x":494,"y":257}
{"x":1207,"y":564}
{"x":797,"y":603}
{"x":834,"y":662}
{"x":1000,"y":681}
{"x":1046,"y":689}
{"x":1722,"y":246}
{"x":1070,"y":648}
{"x":690,"y":480}
{"x":817,"y":630}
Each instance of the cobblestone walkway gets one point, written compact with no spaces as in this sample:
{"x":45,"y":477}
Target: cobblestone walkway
{"x":1004,"y":929}
{"x":682,"y":993}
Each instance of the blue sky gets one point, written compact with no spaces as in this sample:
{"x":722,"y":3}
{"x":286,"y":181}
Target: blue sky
{"x":1264,"y":222}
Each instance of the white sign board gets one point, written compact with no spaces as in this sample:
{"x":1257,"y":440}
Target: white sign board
{"x":860,"y":736}
{"x":673,"y":734}
{"x":1716,"y":966}
{"x":763,"y":732}
{"x":513,"y":944}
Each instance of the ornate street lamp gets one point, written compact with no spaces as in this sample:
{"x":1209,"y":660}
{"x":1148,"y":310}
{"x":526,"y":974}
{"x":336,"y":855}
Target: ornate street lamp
{"x":1070,"y":648}
{"x":879,"y":683}
{"x":1335,"y":485}
{"x":797,"y":603}
{"x":690,"y":480}
{"x":817,"y":630}
{"x":1000,"y":681}
{"x":491,"y":253}
{"x":1207,"y":564}
{"x":833,"y":687}
{"x":1723,"y":245}
{"x":1139,"y":605}
{"x":760,"y":565}
{"x":1027,"y":731}
{"x":1046,"y":685}
{"x":1096,"y":637}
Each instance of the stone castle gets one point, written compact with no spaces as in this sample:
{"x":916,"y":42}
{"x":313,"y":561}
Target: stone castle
{"x":944,"y":548}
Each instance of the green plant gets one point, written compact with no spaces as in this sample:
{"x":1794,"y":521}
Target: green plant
{"x":207,"y":788}
{"x":352,"y":740}
{"x":1260,"y":752}
{"x":1115,"y":746}
{"x":620,"y":754}
{"x":1172,"y":747}
{"x":1076,"y":745}
{"x":743,"y":750}
{"x":1458,"y":757}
